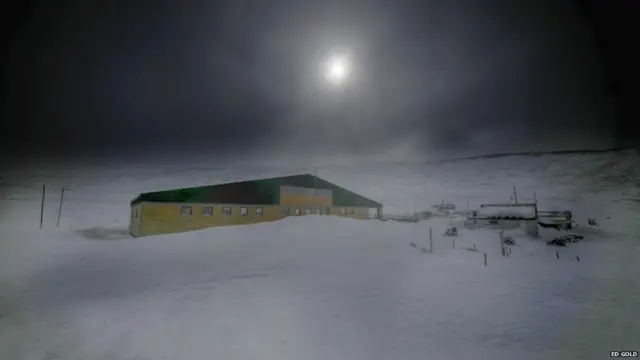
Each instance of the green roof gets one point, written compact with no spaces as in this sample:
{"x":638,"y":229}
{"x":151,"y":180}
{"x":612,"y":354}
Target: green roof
{"x":257,"y":192}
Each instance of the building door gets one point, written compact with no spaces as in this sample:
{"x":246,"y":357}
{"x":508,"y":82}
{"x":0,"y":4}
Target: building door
{"x":373,"y":213}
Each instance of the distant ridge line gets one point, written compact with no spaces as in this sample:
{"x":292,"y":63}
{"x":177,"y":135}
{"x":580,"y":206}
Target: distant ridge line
{"x":532,"y":153}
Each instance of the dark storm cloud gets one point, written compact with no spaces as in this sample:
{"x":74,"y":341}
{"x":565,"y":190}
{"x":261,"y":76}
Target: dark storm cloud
{"x":140,"y":77}
{"x":242,"y":76}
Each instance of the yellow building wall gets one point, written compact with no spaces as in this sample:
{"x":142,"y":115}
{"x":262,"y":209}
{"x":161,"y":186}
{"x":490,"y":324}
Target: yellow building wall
{"x":163,"y":218}
{"x":350,"y":212}
{"x":303,"y":208}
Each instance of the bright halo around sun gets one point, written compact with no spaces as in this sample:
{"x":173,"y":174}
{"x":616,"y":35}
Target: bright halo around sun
{"x":336,"y":69}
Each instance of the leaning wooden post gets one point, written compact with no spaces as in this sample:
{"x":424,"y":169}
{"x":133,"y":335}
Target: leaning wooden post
{"x":42,"y":206}
{"x":60,"y":207}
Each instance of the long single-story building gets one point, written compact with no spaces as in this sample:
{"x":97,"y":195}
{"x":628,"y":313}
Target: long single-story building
{"x":243,"y":203}
{"x":505,"y":216}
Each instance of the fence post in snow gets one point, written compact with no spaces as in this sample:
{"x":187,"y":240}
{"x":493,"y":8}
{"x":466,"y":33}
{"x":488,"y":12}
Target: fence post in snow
{"x":42,"y":206}
{"x":454,"y":243}
{"x":430,"y":241}
{"x":60,"y":207}
{"x":557,"y":255}
{"x":485,"y":259}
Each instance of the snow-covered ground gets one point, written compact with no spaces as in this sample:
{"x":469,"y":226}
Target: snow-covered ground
{"x":322,"y":287}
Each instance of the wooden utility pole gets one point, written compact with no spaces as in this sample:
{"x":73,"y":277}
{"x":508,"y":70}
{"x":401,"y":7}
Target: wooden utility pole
{"x":42,"y":205}
{"x":60,"y":207}
{"x":315,"y":189}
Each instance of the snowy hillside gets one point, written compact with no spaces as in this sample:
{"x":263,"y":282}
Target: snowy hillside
{"x":322,"y":287}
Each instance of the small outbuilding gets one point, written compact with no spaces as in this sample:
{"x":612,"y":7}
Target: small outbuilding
{"x":244,"y":203}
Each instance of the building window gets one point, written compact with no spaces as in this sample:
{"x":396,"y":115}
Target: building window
{"x":318,"y":211}
{"x":327,"y":211}
{"x":307,"y":211}
{"x":186,"y":210}
{"x":226,"y":211}
{"x":285,"y":212}
{"x":343,"y":211}
{"x":207,"y":210}
{"x":297,"y":211}
{"x":244,"y":211}
{"x":259,"y":211}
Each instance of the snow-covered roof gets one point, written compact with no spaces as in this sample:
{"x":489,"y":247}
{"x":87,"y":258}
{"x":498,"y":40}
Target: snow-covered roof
{"x":507,"y":211}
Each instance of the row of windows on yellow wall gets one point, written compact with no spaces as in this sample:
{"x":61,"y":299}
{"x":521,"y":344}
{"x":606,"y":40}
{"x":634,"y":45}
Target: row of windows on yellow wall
{"x":259,"y":211}
{"x":227,"y":210}
{"x":244,"y":211}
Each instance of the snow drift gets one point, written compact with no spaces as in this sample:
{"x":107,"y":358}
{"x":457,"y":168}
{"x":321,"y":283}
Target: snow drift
{"x":322,"y":287}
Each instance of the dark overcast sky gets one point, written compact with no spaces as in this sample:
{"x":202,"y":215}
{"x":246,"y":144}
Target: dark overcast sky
{"x":233,"y":77}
